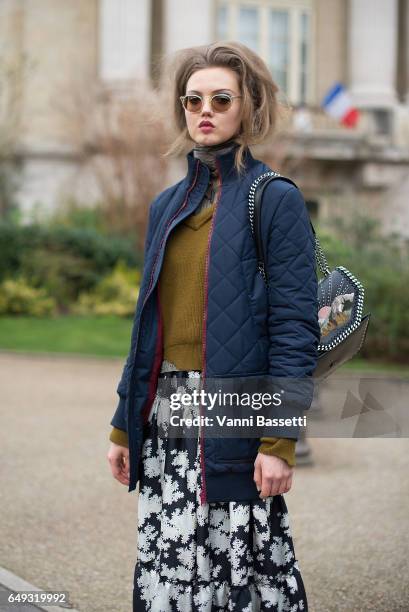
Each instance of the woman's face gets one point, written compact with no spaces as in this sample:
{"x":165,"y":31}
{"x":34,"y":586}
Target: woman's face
{"x":224,"y":125}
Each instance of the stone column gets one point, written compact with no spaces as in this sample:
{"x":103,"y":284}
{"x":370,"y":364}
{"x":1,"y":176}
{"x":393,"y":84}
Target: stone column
{"x":124,"y":39}
{"x":373,"y":31}
{"x":406,"y":49}
{"x":187,"y":25}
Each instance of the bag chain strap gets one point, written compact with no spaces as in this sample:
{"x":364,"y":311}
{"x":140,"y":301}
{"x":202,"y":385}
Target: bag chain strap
{"x":319,"y":253}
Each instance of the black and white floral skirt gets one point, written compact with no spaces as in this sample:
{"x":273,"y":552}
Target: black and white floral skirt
{"x":232,"y":556}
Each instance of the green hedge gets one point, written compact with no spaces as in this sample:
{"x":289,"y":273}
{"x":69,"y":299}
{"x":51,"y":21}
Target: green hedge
{"x":64,"y":261}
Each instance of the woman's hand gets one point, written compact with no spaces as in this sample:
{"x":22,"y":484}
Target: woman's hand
{"x":118,"y":457}
{"x":272,"y":475}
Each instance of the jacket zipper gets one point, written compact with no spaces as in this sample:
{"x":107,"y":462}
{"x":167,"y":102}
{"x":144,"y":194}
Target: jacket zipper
{"x":158,"y":251}
{"x":203,"y":496}
{"x":144,"y":408}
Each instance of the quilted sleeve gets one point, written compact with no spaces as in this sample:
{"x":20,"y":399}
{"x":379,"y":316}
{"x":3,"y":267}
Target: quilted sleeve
{"x":119,"y":420}
{"x":293,"y":327}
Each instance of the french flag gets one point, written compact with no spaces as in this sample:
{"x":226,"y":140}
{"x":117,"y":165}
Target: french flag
{"x":338,"y":104}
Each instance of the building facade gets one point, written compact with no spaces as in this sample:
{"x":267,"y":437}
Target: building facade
{"x":308,"y":45}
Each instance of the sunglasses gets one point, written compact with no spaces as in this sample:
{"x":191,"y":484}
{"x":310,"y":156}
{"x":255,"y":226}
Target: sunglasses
{"x":220,"y":102}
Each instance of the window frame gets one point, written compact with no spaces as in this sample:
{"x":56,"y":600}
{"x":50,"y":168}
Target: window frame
{"x":294,"y":8}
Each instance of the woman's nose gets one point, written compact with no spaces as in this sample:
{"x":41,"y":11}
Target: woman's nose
{"x":207,"y":105}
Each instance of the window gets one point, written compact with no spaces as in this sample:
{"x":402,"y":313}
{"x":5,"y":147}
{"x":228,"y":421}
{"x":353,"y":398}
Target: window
{"x":278,"y":47}
{"x":222,"y":31}
{"x":281,"y":32}
{"x":248,"y":27}
{"x":304,"y":54}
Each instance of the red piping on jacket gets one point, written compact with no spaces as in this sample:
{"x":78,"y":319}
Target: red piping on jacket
{"x":203,"y":491}
{"x":153,"y":379}
{"x":156,"y":366}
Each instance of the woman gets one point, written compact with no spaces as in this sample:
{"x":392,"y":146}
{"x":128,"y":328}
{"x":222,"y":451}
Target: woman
{"x":213,"y":526}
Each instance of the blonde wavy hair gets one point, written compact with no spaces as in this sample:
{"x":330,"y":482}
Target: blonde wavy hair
{"x":259,"y":105}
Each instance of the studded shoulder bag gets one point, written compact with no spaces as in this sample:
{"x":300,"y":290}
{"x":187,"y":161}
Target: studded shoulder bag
{"x":340,"y":294}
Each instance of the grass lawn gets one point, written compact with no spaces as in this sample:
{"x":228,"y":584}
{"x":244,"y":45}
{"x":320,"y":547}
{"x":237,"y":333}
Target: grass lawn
{"x":363,"y":365}
{"x":109,"y":337}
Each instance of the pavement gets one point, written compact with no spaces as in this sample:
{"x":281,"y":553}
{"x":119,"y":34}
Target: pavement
{"x":13,"y":607}
{"x":15,"y":593}
{"x":66,"y":524}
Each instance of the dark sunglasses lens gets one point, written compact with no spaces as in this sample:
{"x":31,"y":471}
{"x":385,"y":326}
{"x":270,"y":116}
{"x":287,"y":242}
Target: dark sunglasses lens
{"x":193,"y":103}
{"x":221,"y":102}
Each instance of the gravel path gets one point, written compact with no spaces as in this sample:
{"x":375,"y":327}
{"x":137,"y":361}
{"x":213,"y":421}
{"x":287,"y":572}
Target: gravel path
{"x":66,"y":524}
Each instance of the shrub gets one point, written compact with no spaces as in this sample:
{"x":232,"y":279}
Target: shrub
{"x":115,"y":294}
{"x":65,"y":261}
{"x":18,"y":297}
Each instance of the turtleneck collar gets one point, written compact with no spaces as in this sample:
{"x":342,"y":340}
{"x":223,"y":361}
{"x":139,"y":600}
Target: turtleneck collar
{"x":208,"y":153}
{"x":224,"y":161}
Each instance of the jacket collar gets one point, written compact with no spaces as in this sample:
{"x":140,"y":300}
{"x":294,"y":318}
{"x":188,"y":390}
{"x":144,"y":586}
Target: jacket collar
{"x":225,"y":166}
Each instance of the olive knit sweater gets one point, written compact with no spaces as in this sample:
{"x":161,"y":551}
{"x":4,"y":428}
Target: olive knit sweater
{"x":181,"y":295}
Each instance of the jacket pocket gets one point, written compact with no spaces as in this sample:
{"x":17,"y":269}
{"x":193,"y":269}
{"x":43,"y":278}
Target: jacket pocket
{"x":235,"y":450}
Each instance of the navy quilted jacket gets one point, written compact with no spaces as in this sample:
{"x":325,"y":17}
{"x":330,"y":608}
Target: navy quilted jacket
{"x":247,"y":330}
